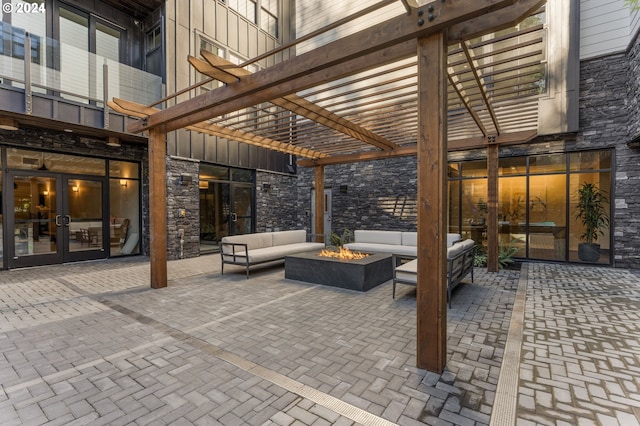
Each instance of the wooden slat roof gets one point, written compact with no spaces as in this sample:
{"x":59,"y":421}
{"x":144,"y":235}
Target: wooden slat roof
{"x":366,"y":107}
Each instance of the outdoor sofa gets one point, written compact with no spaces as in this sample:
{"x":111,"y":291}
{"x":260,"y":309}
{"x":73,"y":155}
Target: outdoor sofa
{"x":252,"y":249}
{"x":394,"y":242}
{"x":459,"y":265}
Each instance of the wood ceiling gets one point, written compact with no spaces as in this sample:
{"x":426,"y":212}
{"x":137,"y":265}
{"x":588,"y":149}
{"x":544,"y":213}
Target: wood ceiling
{"x":496,"y":74}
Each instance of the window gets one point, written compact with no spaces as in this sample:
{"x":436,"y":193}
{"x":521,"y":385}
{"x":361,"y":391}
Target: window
{"x":154,"y":51}
{"x":537,"y":198}
{"x":269,"y":16}
{"x":208,"y":45}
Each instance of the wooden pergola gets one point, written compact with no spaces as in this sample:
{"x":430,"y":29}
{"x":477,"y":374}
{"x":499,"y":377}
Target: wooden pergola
{"x":449,"y":75}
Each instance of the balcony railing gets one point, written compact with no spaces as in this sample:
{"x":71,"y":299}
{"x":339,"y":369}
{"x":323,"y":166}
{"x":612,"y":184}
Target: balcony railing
{"x":64,"y":71}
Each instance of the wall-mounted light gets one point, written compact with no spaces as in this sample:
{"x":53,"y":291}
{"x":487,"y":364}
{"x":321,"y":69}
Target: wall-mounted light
{"x":8,"y":124}
{"x":113,"y":141}
{"x":266,"y":187}
{"x":185,"y":179}
{"x":123,"y":183}
{"x":45,"y":192}
{"x":344,"y":189}
{"x":75,"y":189}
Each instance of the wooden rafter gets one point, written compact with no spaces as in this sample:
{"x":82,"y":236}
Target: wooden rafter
{"x":227,"y":72}
{"x":460,"y":91}
{"x":141,"y":111}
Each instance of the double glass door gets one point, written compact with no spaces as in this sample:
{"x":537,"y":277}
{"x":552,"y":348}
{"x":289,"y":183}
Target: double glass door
{"x":225,"y":209}
{"x":54,"y":218}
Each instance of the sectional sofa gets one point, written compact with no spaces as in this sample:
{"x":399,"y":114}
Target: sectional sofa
{"x":252,"y":249}
{"x":394,"y":242}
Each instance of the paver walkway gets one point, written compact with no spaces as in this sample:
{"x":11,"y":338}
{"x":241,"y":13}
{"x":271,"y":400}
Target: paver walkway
{"x":92,"y":344}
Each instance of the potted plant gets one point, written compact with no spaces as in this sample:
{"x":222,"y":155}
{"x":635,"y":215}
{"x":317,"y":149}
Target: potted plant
{"x":592,"y":212}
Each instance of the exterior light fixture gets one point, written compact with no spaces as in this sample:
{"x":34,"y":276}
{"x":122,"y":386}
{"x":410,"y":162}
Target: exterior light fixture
{"x":45,"y":192}
{"x":8,"y":124}
{"x":123,"y":183}
{"x":113,"y":141}
{"x":266,"y":187}
{"x":75,"y":189}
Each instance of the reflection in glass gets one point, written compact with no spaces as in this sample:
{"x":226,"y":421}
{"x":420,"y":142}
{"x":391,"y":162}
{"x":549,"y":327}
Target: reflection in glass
{"x":85,"y":215}
{"x":34,"y":200}
{"x":55,"y":162}
{"x":124,"y":216}
{"x":547,"y":217}
{"x":214,"y":214}
{"x":474,"y":209}
{"x":512,"y":213}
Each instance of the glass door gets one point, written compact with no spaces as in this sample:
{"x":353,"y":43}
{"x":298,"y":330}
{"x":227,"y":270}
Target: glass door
{"x":54,"y":218}
{"x":36,"y":222}
{"x":214,"y":214}
{"x":242,"y":208}
{"x":83,"y":220}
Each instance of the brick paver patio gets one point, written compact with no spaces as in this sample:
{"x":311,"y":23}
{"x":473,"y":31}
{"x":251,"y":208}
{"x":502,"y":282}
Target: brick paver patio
{"x":92,"y":344}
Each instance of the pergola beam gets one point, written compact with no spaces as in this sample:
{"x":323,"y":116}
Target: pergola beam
{"x":141,"y":111}
{"x":409,"y":150}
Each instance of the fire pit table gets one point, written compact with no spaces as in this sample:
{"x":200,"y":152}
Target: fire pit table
{"x":354,"y":274}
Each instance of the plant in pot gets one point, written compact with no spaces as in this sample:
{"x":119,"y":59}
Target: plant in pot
{"x":592,"y":212}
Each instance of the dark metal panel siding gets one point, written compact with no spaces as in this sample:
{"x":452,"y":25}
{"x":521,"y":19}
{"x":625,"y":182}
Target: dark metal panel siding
{"x":184,"y":144}
{"x":243,"y":155}
{"x":233,"y":153}
{"x":253,"y":156}
{"x":210,"y":149}
{"x":223,"y":151}
{"x":197,"y":145}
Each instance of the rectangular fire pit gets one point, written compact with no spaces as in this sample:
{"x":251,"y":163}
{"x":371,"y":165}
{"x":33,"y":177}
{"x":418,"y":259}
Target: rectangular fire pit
{"x":361,"y":274}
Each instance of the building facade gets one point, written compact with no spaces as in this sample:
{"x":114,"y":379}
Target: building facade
{"x":75,"y":183}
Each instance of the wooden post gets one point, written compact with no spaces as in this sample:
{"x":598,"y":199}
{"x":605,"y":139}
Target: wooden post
{"x":158,"y":207}
{"x":318,"y":215}
{"x":432,"y":203}
{"x":492,"y":204}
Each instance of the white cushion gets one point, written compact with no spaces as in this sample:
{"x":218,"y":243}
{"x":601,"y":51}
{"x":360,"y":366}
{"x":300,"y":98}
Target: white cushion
{"x":409,"y":238}
{"x":378,"y":237}
{"x":289,"y":237}
{"x":253,"y":241}
{"x":382,"y":248}
{"x":453,"y":238}
{"x":298,"y":248}
{"x":408,"y":272}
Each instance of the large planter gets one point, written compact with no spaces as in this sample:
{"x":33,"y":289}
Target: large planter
{"x":589,"y":252}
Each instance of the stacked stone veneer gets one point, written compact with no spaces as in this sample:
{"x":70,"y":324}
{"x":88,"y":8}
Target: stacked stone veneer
{"x":378,"y":195}
{"x":183,"y":208}
{"x":609,"y":96}
{"x":276,"y":207}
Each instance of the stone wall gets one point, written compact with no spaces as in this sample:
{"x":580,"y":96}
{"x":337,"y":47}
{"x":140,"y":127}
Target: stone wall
{"x":633,"y":95}
{"x":183,"y":208}
{"x":369,"y":195}
{"x":276,"y":205}
{"x":604,"y":122}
